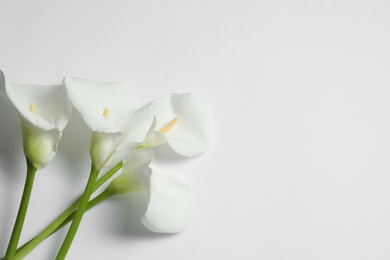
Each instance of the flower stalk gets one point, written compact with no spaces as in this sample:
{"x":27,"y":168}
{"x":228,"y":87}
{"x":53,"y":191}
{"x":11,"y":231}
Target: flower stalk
{"x":79,"y":214}
{"x":17,"y":230}
{"x":66,"y":216}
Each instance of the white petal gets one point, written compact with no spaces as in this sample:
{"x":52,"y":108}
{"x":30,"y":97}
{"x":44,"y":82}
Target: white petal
{"x":51,"y":106}
{"x":91,"y":98}
{"x":103,"y":146}
{"x":44,"y":112}
{"x":39,"y":146}
{"x":138,"y":126}
{"x":155,"y":138}
{"x":138,"y":159}
{"x":190,"y":136}
{"x":135,"y":172}
{"x":170,"y":203}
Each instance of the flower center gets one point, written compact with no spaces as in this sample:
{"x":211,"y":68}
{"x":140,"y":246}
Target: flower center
{"x":32,"y":108}
{"x":106,"y":113}
{"x":168,"y":126}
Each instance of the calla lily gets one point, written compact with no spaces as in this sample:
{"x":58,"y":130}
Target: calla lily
{"x":170,"y":203}
{"x":135,"y":173}
{"x":44,"y":111}
{"x":169,"y":206}
{"x":118,"y":125}
{"x":182,"y":121}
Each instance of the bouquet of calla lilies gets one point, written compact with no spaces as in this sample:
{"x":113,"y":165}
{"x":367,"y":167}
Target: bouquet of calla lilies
{"x":123,"y":138}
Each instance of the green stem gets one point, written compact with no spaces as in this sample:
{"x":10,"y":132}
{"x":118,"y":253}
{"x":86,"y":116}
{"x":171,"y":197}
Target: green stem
{"x":17,"y":230}
{"x":79,"y":214}
{"x":107,"y":176}
{"x":101,"y":197}
{"x":26,"y":248}
{"x":57,"y":223}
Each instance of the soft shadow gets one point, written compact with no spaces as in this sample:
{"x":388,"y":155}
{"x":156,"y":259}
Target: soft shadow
{"x":58,"y":238}
{"x":165,"y":154}
{"x":73,"y":149}
{"x":10,"y":139}
{"x":12,"y":167}
{"x":125,"y":215}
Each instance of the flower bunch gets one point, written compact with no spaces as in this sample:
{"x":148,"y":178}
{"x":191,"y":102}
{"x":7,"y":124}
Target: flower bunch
{"x":124,"y":136}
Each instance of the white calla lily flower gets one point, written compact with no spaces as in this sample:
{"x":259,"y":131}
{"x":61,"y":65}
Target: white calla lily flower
{"x":44,"y":111}
{"x":117,"y":123}
{"x":183,"y":122}
{"x":135,"y":173}
{"x":170,"y":204}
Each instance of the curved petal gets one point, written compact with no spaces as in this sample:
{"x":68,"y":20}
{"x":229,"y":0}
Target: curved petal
{"x":190,"y":135}
{"x":45,"y":106}
{"x":92,"y":99}
{"x":138,"y":126}
{"x":107,"y":107}
{"x":155,"y":138}
{"x":120,"y":154}
{"x":43,"y":113}
{"x":170,"y":203}
{"x":40,"y":146}
{"x":103,"y":146}
{"x":135,"y":172}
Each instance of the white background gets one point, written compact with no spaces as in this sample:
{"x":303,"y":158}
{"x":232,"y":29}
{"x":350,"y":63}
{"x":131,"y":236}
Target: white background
{"x":299,"y":93}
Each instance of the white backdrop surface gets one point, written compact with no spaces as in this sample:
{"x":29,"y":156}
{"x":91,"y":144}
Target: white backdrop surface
{"x":299,"y":94}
